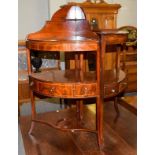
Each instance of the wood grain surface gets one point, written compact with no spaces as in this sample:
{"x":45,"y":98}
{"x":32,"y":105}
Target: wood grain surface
{"x":119,"y":134}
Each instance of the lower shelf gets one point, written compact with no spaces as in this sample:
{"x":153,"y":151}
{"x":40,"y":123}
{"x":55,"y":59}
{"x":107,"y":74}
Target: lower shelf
{"x":67,"y":124}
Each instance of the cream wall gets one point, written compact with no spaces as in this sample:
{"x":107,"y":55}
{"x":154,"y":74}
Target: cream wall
{"x":54,"y":5}
{"x":127,"y":14}
{"x":32,"y":14}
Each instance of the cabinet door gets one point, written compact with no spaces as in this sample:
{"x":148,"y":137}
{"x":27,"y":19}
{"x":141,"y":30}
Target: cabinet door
{"x":97,"y":17}
{"x":104,"y":21}
{"x":108,"y":21}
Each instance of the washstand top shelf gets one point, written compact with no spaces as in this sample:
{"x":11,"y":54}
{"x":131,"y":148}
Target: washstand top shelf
{"x":68,"y":30}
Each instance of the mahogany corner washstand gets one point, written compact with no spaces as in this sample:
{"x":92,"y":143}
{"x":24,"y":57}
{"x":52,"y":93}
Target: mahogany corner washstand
{"x":67,"y":31}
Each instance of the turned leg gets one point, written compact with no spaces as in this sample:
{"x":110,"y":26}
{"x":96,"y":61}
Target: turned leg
{"x":79,"y":109}
{"x":33,"y":111}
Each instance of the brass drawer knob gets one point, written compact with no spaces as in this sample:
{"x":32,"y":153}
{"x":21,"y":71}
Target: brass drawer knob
{"x":31,"y":83}
{"x":113,"y":90}
{"x":85,"y":90}
{"x":52,"y":89}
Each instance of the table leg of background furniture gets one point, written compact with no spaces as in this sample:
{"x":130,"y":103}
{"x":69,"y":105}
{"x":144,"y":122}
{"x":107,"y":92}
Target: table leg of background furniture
{"x":117,"y":76}
{"x":116,"y":105}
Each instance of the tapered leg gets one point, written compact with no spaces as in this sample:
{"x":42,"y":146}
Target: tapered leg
{"x":33,"y":111}
{"x":116,"y":105}
{"x":99,"y":121}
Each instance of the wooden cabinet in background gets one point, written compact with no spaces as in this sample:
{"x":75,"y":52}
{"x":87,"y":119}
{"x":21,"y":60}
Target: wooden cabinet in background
{"x":131,"y":57}
{"x":100,"y":16}
{"x":104,"y":16}
{"x":131,"y":66}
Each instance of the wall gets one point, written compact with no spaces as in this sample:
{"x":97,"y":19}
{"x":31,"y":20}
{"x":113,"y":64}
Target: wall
{"x":127,"y":14}
{"x":32,"y":15}
{"x":55,"y":5}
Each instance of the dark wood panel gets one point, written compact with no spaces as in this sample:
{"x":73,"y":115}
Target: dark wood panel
{"x":132,"y":77}
{"x":132,"y":87}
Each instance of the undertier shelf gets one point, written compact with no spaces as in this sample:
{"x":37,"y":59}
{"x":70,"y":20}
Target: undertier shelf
{"x":67,"y":121}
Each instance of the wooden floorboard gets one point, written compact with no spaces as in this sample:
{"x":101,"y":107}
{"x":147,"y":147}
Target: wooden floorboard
{"x":125,"y":125}
{"x":119,"y":134}
{"x":130,"y":103}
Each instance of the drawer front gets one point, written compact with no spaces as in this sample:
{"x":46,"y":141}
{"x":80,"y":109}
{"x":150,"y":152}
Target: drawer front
{"x":56,"y":90}
{"x":115,"y":39}
{"x":33,"y":85}
{"x":66,"y":90}
{"x":131,"y":70}
{"x":132,"y":77}
{"x":86,"y":90}
{"x":131,"y":87}
{"x":110,"y":91}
